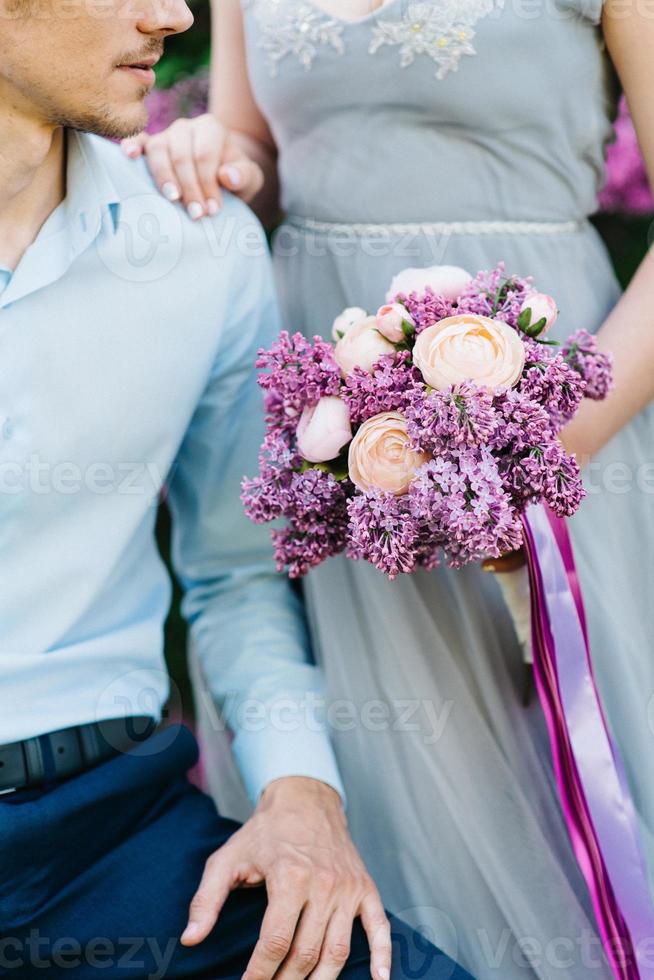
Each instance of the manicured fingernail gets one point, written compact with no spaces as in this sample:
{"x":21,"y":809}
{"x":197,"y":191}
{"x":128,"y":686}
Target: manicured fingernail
{"x":212,"y":206}
{"x":170,"y":191}
{"x":195,"y":210}
{"x":233,"y":175}
{"x":383,"y":973}
{"x":190,"y":932}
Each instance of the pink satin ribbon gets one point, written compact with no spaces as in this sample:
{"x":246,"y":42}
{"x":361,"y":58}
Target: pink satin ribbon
{"x":595,"y":798}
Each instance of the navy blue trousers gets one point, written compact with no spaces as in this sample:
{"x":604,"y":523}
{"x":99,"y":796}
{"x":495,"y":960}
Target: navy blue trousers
{"x":97,"y":872}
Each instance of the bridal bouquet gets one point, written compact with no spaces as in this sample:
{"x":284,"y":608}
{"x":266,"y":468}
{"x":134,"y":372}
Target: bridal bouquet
{"x":424,"y":432}
{"x":428,"y":433}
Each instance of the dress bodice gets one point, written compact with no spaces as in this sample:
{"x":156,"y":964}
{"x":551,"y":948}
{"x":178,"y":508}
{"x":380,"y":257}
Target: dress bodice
{"x":434,"y":110}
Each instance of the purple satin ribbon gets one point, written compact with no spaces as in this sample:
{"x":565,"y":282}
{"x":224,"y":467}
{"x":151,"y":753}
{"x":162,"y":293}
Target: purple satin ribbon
{"x":596,"y":802}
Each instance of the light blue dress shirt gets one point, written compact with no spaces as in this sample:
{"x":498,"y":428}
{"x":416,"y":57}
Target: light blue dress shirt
{"x":128,"y":336}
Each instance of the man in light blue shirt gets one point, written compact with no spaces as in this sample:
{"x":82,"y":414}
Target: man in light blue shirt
{"x":128,"y":335}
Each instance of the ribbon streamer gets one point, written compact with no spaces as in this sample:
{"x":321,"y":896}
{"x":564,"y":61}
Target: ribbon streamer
{"x":596,"y":802}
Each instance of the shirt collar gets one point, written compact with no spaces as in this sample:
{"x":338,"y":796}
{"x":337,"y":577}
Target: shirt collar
{"x":91,"y":206}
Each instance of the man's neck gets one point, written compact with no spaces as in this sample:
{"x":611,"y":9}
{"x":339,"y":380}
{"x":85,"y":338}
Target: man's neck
{"x":32,"y":181}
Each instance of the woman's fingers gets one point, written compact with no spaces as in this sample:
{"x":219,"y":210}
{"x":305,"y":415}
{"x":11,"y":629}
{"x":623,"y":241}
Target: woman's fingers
{"x":134,"y":146}
{"x":208,"y":144}
{"x":180,"y":140}
{"x":157,"y":154}
{"x":242,"y":177}
{"x":192,"y":159}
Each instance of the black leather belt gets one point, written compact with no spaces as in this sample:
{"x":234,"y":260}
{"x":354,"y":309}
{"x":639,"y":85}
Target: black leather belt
{"x":69,"y":751}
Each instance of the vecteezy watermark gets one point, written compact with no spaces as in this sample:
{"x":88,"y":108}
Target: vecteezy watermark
{"x":149,"y":955}
{"x":421,"y":717}
{"x":572,"y":955}
{"x":69,"y":478}
{"x":430,"y":944}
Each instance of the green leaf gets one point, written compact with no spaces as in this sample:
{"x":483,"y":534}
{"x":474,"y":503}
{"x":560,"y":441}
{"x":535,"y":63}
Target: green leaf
{"x":524,"y":320}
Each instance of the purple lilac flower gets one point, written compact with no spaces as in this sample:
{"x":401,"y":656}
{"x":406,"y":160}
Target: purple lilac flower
{"x":496,"y":295}
{"x":188,"y":97}
{"x":594,"y":366}
{"x":465,"y":507}
{"x":551,"y":382}
{"x":627,"y":187}
{"x":427,"y":308}
{"x":491,"y":294}
{"x":564,"y":489}
{"x":315,"y":506}
{"x":438,"y":421}
{"x":304,"y":544}
{"x":384,"y":532}
{"x":387,"y":389}
{"x":523,"y":424}
{"x":299,"y":373}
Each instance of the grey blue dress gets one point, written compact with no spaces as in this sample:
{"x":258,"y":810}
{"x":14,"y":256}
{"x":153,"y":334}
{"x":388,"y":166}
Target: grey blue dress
{"x":461,"y":132}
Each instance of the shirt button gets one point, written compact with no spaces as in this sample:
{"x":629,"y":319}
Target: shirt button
{"x":7,"y":429}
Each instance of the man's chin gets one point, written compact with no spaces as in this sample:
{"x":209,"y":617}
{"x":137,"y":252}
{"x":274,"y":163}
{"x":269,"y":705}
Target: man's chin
{"x":113,"y":123}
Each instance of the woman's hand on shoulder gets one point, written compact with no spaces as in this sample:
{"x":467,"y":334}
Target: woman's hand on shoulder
{"x":193,"y":159}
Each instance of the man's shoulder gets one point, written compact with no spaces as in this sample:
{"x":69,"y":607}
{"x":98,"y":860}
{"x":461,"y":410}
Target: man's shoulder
{"x":133,"y":177}
{"x":229,"y":242}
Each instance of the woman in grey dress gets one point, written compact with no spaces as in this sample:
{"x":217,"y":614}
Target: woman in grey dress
{"x":457,"y":132}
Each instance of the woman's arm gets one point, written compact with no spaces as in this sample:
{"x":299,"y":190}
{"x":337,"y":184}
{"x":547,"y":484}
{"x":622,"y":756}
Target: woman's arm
{"x":230,"y":146}
{"x":629,"y":330}
{"x":231,"y":101}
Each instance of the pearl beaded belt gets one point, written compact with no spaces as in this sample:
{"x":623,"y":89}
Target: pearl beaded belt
{"x":436,"y":227}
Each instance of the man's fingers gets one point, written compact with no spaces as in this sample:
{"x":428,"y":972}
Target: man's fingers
{"x":306,"y":948}
{"x":378,"y":931}
{"x":336,"y":946}
{"x":277,"y":932}
{"x":216,"y":884}
{"x":134,"y":146}
{"x":243,"y":177}
{"x":208,"y":140}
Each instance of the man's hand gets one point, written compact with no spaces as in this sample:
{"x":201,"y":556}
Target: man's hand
{"x":297,"y":843}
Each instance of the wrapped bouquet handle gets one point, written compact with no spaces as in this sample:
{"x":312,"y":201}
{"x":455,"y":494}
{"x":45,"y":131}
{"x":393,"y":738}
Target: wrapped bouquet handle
{"x":596,"y":801}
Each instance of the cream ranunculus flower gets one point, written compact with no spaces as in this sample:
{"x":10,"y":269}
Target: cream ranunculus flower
{"x":381,"y":456}
{"x":448,"y":281}
{"x":346,"y":320}
{"x":362,"y":346}
{"x":466,"y":347}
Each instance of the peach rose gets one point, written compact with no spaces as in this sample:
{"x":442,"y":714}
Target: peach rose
{"x":323,"y":429}
{"x":361,"y":346}
{"x":469,"y":348}
{"x":390,"y":319}
{"x":448,"y":281}
{"x":346,"y":320}
{"x":542,"y":310}
{"x":381,"y":456}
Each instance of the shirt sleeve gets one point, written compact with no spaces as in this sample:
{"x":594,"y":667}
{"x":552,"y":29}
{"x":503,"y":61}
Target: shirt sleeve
{"x":246,"y":620}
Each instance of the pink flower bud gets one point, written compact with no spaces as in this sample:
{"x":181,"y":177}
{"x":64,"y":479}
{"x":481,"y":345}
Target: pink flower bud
{"x":323,"y":429}
{"x":540,"y":307}
{"x":390,"y":319}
